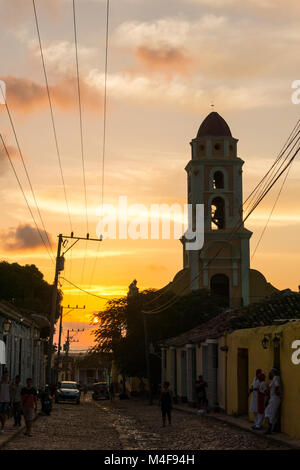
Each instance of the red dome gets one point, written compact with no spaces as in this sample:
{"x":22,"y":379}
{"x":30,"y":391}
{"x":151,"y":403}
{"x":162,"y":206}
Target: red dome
{"x":214,"y":125}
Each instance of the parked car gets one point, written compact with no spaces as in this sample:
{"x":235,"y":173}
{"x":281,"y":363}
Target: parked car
{"x":68,"y":391}
{"x":100,"y":391}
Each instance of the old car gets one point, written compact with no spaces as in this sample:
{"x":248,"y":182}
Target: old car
{"x":100,"y":391}
{"x":67,"y":391}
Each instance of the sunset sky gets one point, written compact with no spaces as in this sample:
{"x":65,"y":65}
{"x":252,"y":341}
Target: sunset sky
{"x":168,"y":61}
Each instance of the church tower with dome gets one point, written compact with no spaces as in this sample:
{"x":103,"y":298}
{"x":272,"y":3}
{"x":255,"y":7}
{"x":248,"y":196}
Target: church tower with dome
{"x":214,"y":176}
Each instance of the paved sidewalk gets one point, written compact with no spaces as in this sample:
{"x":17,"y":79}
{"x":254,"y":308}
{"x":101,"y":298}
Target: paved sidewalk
{"x":10,"y":431}
{"x":245,"y":424}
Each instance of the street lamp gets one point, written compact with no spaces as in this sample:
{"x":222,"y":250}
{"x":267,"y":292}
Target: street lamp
{"x":265,"y":342}
{"x":276,"y":340}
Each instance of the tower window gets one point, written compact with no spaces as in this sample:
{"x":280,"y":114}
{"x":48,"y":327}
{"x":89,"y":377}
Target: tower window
{"x":218,"y":180}
{"x":217,"y":146}
{"x":217,"y":213}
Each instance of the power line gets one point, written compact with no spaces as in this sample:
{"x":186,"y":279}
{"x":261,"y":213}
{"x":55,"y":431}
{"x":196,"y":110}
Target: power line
{"x":271,"y":213}
{"x":104,"y":129}
{"x":81,"y":131}
{"x":24,"y":195}
{"x":51,"y":112}
{"x":26,"y":172}
{"x":171,"y":302}
{"x":83,"y":290}
{"x":80,"y":112}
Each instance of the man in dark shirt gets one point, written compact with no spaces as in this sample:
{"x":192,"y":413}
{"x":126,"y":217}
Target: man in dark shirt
{"x":29,"y":405}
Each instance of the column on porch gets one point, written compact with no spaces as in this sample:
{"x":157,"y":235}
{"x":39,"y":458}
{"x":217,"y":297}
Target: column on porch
{"x":163,"y":365}
{"x":212,"y":371}
{"x":173,"y":375}
{"x":191,"y":372}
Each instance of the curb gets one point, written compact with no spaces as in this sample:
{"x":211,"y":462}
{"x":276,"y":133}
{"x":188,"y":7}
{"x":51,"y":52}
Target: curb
{"x":267,"y":437}
{"x":17,"y":432}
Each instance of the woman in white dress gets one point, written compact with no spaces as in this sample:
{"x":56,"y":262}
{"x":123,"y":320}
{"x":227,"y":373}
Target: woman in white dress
{"x":271,"y":412}
{"x":254,"y":401}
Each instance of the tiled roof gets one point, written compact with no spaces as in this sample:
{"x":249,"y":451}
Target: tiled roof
{"x":282,"y":306}
{"x":214,"y":125}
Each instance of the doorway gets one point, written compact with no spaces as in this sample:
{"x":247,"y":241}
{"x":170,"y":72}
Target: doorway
{"x":219,"y":286}
{"x":242,"y":381}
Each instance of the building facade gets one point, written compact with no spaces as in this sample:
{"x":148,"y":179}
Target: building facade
{"x":229,"y":348}
{"x":23,"y":349}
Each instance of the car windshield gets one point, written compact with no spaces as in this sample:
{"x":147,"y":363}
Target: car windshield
{"x":68,"y":385}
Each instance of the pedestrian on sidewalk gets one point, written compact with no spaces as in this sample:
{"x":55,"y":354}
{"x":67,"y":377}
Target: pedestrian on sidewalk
{"x":254,"y":390}
{"x":29,"y":405}
{"x":201,"y":386}
{"x":16,"y":389}
{"x":166,"y":401}
{"x":261,"y":401}
{"x":5,"y":399}
{"x":112,"y":391}
{"x":272,"y":409}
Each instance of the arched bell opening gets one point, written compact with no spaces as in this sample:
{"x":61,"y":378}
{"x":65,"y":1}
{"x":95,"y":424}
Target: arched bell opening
{"x":218,"y":180}
{"x":217,"y":213}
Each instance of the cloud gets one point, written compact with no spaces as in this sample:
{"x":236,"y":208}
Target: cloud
{"x":267,"y":8}
{"x":59,"y":56}
{"x":26,"y":95}
{"x":183,"y":93}
{"x":24,"y":237}
{"x":164,"y":59}
{"x":4,"y":163}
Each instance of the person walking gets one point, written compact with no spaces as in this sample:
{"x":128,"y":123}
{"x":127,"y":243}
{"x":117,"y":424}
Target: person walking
{"x":271,"y":412}
{"x":201,"y":386}
{"x":5,"y":399}
{"x":166,"y":403}
{"x":16,"y":389}
{"x":112,"y":391}
{"x":254,"y":402}
{"x":29,"y":405}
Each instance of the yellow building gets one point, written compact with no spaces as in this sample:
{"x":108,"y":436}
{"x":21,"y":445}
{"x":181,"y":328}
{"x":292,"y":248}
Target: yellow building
{"x":229,"y":348}
{"x":261,"y":347}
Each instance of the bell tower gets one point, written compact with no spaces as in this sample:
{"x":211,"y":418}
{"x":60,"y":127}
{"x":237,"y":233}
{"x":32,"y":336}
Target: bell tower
{"x":215,"y":179}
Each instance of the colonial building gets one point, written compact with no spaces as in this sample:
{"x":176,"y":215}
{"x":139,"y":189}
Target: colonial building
{"x":254,"y":329}
{"x":22,"y":346}
{"x":214,"y":179}
{"x":229,"y":348}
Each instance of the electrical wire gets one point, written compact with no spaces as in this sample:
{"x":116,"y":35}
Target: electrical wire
{"x":171,"y":302}
{"x":83,"y":290}
{"x":271,"y":213}
{"x":51,"y":113}
{"x":27,"y":174}
{"x":104,"y":130}
{"x":26,"y":200}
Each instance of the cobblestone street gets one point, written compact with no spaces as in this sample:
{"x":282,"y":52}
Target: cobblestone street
{"x":131,"y":425}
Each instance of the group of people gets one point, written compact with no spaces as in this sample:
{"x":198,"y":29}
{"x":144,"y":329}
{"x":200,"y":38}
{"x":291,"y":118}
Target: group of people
{"x":266,"y":399}
{"x":21,"y":400}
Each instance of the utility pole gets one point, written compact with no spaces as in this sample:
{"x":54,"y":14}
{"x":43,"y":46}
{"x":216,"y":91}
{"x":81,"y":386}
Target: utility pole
{"x":67,"y":348}
{"x":147,"y":354}
{"x":60,"y":331}
{"x":59,"y":266}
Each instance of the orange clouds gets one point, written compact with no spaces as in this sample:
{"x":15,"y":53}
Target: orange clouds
{"x":166,"y":58}
{"x":13,"y":153}
{"x":24,"y":237}
{"x":26,"y":95}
